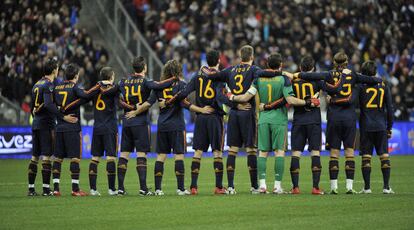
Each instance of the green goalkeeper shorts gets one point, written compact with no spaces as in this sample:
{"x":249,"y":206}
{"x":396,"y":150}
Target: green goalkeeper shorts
{"x":272,"y":137}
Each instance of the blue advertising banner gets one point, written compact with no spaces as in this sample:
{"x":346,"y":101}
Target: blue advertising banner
{"x":16,"y":142}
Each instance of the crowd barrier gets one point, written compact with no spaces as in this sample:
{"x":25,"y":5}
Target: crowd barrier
{"x":16,"y":142}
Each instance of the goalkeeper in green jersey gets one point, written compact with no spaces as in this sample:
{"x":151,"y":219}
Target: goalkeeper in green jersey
{"x":271,"y":95}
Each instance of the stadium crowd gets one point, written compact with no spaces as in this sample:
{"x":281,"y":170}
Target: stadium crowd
{"x":380,"y":30}
{"x":34,"y":30}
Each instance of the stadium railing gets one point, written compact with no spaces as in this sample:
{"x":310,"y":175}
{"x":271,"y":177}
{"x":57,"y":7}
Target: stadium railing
{"x":122,"y":35}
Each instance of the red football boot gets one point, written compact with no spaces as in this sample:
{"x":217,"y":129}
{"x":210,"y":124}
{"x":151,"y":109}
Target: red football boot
{"x":79,"y":193}
{"x":220,"y":191}
{"x":317,"y":191}
{"x":194,"y":191}
{"x":295,"y":191}
{"x":56,"y":193}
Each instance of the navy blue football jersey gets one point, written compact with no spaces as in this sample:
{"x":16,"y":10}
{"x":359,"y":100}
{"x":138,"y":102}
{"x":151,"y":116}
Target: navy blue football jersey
{"x":342,"y":106}
{"x":104,"y":113}
{"x":171,"y":117}
{"x":68,"y":96}
{"x":136,"y":89}
{"x":46,"y":111}
{"x":207,"y":92}
{"x":375,"y":102}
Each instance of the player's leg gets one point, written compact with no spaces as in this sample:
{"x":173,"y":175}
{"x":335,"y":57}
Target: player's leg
{"x":381,"y":147}
{"x":315,"y":140}
{"x":111,"y":151}
{"x":349,"y":137}
{"x":162,"y":148}
{"x":265,"y":146}
{"x":216,"y":134}
{"x":298,"y":141}
{"x":248,"y":128}
{"x":235,"y":142}
{"x":97,"y":150}
{"x":333,"y":143}
{"x":179,"y":146}
{"x":218,"y":171}
{"x":195,"y":169}
{"x":57,"y":162}
{"x":142,"y":143}
{"x":200,"y":145}
{"x":47,"y":140}
{"x":73,"y":145}
{"x":127,"y":146}
{"x":365,"y":150}
{"x":279,"y":143}
{"x":32,"y":169}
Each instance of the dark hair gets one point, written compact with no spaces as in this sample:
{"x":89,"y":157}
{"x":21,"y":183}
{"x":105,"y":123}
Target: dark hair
{"x":340,"y":60}
{"x":50,"y":65}
{"x":307,"y":63}
{"x":172,"y":69}
{"x":274,"y":61}
{"x":106,"y":73}
{"x":246,"y":53}
{"x":212,"y":58}
{"x":71,"y":71}
{"x":369,"y":68}
{"x":138,"y":64}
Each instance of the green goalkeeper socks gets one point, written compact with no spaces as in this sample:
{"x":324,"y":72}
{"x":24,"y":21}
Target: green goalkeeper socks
{"x":261,"y":163}
{"x":279,"y":168}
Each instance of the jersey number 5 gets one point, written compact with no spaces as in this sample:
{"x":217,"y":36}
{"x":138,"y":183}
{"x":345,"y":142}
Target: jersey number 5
{"x":208,"y":91}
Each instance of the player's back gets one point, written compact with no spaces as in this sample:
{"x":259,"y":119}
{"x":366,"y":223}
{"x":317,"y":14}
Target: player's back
{"x":171,"y":118}
{"x":374,"y":102}
{"x":208,"y":92}
{"x":105,"y":102}
{"x":240,"y":79}
{"x":135,"y":91}
{"x":65,"y":96}
{"x":270,"y":90}
{"x":302,"y":89}
{"x":43,"y":119}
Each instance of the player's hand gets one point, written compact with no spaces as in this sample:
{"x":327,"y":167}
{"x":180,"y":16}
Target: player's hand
{"x":328,"y":99}
{"x":346,"y":71}
{"x":244,"y":106}
{"x":261,"y":107}
{"x":311,"y":102}
{"x":70,"y":118}
{"x":207,"y":110}
{"x":389,"y":133}
{"x":161,"y":103}
{"x":295,"y":76}
{"x":230,"y":96}
{"x":289,"y":75}
{"x":105,"y":82}
{"x":131,"y":114}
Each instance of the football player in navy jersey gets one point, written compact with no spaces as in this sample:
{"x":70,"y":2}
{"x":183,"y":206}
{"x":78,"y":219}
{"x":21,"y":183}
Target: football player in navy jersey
{"x":375,"y":125}
{"x":68,"y":144}
{"x":44,"y":113}
{"x":135,"y":90}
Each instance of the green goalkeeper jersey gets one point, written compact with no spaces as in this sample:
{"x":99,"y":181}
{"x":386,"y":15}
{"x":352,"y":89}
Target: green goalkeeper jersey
{"x":269,"y":90}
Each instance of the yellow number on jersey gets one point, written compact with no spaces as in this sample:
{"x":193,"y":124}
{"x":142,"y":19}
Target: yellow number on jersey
{"x":239,"y":80}
{"x":36,"y":90}
{"x":100,"y":104}
{"x":374,"y":95}
{"x":165,"y":93}
{"x":133,"y":93}
{"x":302,"y":94}
{"x":65,"y":96}
{"x":348,"y":89}
{"x":208,"y":92}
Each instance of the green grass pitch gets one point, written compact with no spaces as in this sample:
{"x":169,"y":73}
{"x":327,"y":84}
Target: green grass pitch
{"x":207,"y":211}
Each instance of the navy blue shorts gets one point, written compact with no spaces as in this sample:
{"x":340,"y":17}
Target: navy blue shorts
{"x":208,"y":131}
{"x":338,"y":132}
{"x":104,"y":144}
{"x":174,"y":140}
{"x":242,"y":129}
{"x":136,"y":137}
{"x":369,"y":140}
{"x":43,"y":142}
{"x":312,"y":133}
{"x":68,"y":144}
